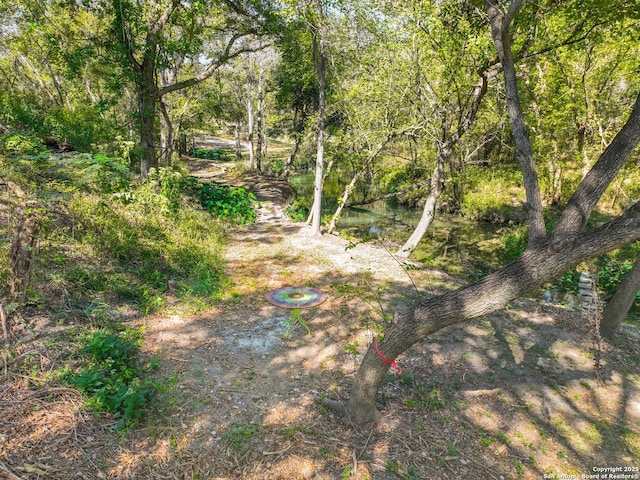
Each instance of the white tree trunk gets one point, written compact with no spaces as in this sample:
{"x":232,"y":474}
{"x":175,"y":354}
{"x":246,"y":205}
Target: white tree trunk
{"x":428,"y":212}
{"x":321,"y":68}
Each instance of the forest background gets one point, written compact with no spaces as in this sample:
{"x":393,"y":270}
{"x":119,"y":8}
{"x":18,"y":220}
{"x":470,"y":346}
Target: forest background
{"x":99,"y":101}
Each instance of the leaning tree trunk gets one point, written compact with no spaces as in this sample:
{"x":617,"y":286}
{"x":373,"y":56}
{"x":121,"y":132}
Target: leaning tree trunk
{"x":621,"y":302}
{"x":288,"y":165}
{"x":352,"y":184}
{"x":533,"y":268}
{"x":428,"y":212}
{"x":547,"y":256}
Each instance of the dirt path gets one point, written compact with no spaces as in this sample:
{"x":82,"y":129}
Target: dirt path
{"x":511,"y":396}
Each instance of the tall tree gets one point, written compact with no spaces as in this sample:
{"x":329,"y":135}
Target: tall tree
{"x":296,"y":85}
{"x":548,"y":255}
{"x":456,"y":42}
{"x":318,"y":29}
{"x":218,"y":30}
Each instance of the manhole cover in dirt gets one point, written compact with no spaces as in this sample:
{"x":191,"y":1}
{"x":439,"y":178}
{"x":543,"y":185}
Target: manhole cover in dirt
{"x":261,"y":337}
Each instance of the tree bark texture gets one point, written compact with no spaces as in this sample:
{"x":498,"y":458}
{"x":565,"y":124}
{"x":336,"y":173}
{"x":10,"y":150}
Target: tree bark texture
{"x":260,"y":120}
{"x":166,"y":135}
{"x":445,"y":154}
{"x":145,"y":69}
{"x":147,"y":132}
{"x":547,"y":256}
{"x":616,"y":309}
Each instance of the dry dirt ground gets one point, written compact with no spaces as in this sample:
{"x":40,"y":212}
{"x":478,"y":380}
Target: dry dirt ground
{"x":510,"y":396}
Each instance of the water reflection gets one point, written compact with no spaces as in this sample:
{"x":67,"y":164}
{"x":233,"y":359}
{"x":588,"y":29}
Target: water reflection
{"x":453,"y":244}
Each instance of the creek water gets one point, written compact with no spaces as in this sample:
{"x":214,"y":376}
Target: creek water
{"x":454,"y":244}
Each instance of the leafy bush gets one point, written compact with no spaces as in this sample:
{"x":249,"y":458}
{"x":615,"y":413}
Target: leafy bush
{"x":514,"y":241}
{"x":21,"y":144}
{"x":233,"y":204}
{"x":102,"y":173}
{"x":298,"y":211}
{"x":115,"y":380}
{"x":611,"y":272}
{"x":210,"y":154}
{"x":169,"y":183}
{"x":492,"y":195}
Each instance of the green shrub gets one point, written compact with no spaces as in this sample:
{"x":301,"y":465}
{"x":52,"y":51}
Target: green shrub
{"x":239,"y":434}
{"x":514,"y":241}
{"x":168,"y":183}
{"x":298,"y":210}
{"x":492,"y":195}
{"x":101,"y":173}
{"x":233,"y":204}
{"x":611,"y":272}
{"x":210,"y":154}
{"x":140,"y":248}
{"x":21,"y":144}
{"x":115,"y":380}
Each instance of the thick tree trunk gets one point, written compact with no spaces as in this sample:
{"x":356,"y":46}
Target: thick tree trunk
{"x":621,"y":302}
{"x":500,"y":24}
{"x":546,"y":258}
{"x":147,"y":134}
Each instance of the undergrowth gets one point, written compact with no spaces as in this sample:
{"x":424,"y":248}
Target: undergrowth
{"x":114,"y":377}
{"x":106,"y":239}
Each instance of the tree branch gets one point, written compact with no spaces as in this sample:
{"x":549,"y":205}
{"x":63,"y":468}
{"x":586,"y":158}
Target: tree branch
{"x":390,"y":195}
{"x":575,"y":215}
{"x":226,"y":55}
{"x":515,"y":7}
{"x":159,"y":24}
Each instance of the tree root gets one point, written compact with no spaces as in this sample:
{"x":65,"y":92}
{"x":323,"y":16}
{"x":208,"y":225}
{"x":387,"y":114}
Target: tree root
{"x":355,"y":418}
